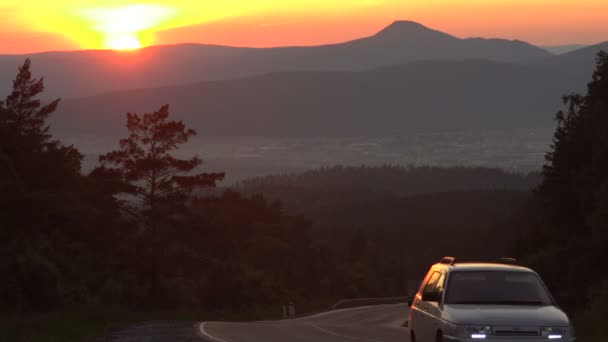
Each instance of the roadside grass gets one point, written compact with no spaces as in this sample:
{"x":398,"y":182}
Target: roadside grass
{"x":89,"y":324}
{"x":64,"y":326}
{"x":78,"y":324}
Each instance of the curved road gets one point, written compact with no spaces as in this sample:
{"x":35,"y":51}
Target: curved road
{"x":381,"y":323}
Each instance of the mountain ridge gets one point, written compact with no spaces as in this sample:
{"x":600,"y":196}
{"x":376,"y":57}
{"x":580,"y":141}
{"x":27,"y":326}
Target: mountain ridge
{"x":391,"y":100}
{"x":580,"y":61}
{"x":89,"y":72}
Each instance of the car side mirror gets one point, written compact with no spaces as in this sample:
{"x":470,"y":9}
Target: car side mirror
{"x":432,"y":296}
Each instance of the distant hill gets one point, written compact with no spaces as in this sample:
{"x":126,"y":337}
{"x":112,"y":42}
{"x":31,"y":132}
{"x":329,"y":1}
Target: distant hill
{"x":562,"y":49}
{"x":85,"y":73}
{"x":438,"y":95}
{"x":296,"y":189}
{"x":578,"y":62}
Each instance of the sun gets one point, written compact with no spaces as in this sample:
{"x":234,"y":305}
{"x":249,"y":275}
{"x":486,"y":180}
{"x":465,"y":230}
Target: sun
{"x":121,"y":27}
{"x":125,"y":41}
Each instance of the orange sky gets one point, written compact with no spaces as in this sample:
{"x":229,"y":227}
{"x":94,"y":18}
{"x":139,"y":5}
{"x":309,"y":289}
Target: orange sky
{"x":43,"y":25}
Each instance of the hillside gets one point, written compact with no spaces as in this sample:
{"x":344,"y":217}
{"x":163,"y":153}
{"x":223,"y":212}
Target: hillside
{"x":395,"y":180}
{"x":578,"y":62}
{"x":374,"y":213}
{"x":439,"y":95}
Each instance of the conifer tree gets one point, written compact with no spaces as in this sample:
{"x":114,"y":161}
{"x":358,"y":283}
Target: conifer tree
{"x":155,"y":176}
{"x":25,"y":139}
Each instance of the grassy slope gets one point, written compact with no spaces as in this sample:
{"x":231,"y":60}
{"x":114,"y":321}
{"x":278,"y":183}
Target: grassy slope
{"x":86,"y":324}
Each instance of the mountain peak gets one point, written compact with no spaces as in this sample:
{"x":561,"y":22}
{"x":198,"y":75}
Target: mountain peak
{"x":407,"y":29}
{"x":405,"y":25}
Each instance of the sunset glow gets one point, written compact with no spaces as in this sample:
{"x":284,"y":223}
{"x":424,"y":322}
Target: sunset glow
{"x":125,"y":41}
{"x":121,"y":26}
{"x":112,"y":24}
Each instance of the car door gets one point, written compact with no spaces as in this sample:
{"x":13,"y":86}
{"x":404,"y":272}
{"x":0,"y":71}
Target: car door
{"x":426,"y":311}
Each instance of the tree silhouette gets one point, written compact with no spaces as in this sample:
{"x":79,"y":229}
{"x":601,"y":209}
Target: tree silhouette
{"x":40,"y":203}
{"x":577,"y":166}
{"x":572,"y":224}
{"x":25,"y":137}
{"x":23,"y":113}
{"x":158,"y":179}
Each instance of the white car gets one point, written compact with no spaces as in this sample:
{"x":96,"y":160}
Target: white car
{"x":468,"y":302}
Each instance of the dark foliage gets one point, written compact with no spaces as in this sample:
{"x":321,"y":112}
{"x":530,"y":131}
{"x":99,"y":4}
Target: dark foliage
{"x":66,"y":239}
{"x":43,"y":220}
{"x":399,"y":180}
{"x":568,"y":220}
{"x":375,"y":221}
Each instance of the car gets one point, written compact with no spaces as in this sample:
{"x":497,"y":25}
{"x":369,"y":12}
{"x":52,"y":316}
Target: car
{"x":499,"y":301}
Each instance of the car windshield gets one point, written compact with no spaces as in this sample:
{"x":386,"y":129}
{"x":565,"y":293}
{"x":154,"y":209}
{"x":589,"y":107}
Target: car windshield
{"x":496,"y":287}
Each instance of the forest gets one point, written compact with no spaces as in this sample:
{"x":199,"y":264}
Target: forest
{"x":141,"y":231}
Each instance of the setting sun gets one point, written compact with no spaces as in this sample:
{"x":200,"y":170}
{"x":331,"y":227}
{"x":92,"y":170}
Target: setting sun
{"x":121,"y":27}
{"x":123,"y":42}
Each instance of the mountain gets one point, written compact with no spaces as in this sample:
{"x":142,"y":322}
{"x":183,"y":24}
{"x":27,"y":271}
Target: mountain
{"x":578,"y":62}
{"x":562,"y":49}
{"x":431,"y":95}
{"x":85,"y":73}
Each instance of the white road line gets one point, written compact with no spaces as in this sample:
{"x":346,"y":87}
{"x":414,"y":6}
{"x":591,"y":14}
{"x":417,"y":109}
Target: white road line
{"x":333,"y":333}
{"x":208,"y":335}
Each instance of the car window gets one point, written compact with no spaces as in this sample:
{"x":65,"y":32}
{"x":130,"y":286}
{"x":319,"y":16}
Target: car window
{"x":430,"y":285}
{"x":496,"y":287}
{"x":425,"y":280}
{"x":440,"y":284}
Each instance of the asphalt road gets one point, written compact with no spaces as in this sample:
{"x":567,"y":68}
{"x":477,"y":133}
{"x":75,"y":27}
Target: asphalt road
{"x":381,"y":323}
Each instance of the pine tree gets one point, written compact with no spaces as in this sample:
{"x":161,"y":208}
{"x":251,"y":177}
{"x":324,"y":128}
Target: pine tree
{"x":160,"y":181}
{"x":25,"y":139}
{"x":24,"y":114}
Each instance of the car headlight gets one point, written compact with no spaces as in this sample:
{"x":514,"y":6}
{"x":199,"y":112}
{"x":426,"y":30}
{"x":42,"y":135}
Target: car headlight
{"x":471,"y":331}
{"x":557,"y":333}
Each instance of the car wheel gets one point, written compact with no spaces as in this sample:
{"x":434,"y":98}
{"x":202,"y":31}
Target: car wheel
{"x":439,"y":337}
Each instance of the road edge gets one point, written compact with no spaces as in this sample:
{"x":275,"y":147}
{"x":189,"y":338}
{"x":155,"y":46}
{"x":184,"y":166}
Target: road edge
{"x":206,"y":334}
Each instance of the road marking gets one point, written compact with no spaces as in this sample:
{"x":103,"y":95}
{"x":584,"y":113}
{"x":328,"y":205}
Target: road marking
{"x":333,"y":333}
{"x":208,"y":335}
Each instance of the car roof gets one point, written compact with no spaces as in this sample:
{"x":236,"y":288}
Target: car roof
{"x":480,"y":266}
